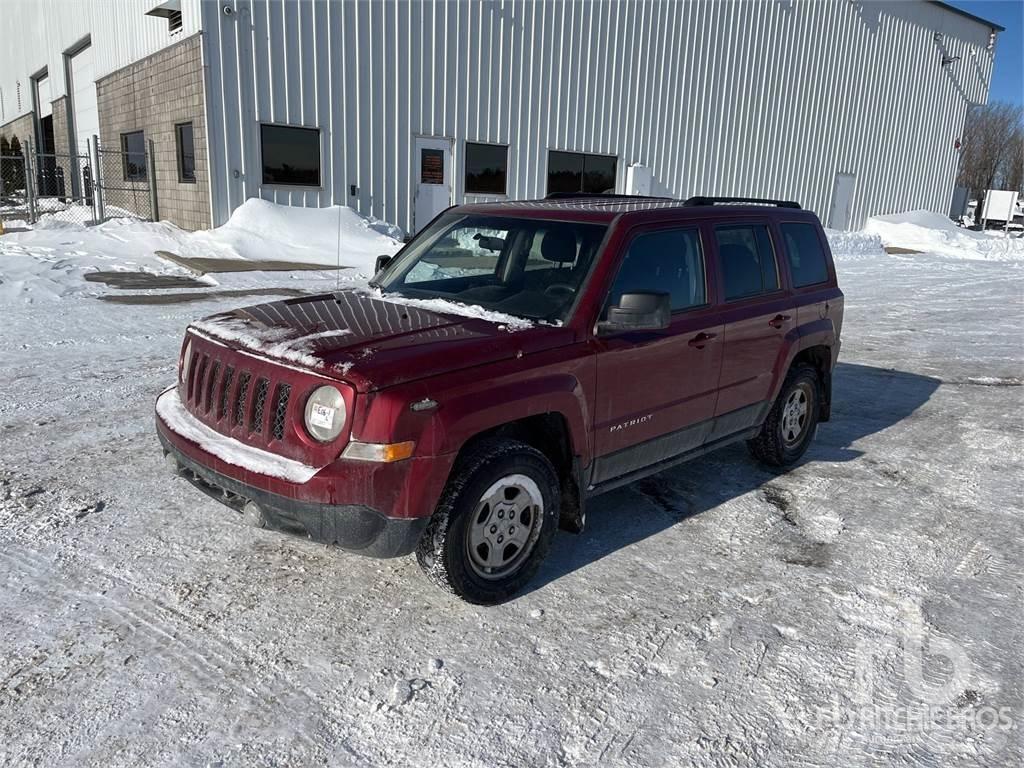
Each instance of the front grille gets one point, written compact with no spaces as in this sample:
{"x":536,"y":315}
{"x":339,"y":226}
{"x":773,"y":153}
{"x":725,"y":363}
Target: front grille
{"x":251,"y":400}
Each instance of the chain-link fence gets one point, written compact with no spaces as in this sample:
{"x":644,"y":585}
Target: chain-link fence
{"x":64,"y":187}
{"x":126,"y":184}
{"x":82,"y":188}
{"x":14,"y":189}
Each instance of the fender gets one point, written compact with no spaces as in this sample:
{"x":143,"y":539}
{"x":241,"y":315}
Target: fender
{"x":474,"y":412}
{"x":821,"y":332}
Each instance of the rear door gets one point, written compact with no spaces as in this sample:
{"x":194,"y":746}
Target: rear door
{"x":656,"y":389}
{"x":757,"y":311}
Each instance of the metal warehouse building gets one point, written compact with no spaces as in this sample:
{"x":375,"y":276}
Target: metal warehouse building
{"x":399,"y":108}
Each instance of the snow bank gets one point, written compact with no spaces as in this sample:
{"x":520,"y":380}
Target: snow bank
{"x":49,"y":261}
{"x":263,"y":231}
{"x":853,"y":245}
{"x":934,"y":233}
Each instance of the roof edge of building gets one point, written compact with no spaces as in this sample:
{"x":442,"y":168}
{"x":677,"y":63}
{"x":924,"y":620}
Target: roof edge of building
{"x":968,"y":15}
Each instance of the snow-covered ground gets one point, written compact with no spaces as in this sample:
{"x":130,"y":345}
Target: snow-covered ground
{"x":864,"y":608}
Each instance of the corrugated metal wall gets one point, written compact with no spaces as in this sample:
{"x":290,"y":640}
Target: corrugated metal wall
{"x":768,"y":98}
{"x":35,"y":34}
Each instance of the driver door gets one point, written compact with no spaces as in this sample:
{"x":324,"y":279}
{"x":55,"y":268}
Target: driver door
{"x":656,"y":390}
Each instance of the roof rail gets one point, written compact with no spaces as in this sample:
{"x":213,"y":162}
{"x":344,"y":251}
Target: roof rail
{"x":599,"y":196}
{"x":758,"y":200}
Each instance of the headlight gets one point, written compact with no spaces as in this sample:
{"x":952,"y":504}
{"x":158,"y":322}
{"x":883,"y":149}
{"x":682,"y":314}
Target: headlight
{"x":186,"y":362}
{"x":325,"y":414}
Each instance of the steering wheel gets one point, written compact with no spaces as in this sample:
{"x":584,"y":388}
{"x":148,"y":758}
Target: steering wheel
{"x":559,"y":288}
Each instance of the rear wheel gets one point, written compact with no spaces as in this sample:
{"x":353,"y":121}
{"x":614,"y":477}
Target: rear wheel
{"x":792,"y":421}
{"x":494,"y":523}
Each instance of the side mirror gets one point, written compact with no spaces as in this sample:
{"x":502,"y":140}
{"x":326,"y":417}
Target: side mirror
{"x":382,"y":263}
{"x":640,"y":311}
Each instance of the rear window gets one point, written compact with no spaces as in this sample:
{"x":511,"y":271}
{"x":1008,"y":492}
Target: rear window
{"x":806,"y":256}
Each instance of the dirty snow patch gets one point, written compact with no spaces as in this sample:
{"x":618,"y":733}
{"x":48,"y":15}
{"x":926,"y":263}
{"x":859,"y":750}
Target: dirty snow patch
{"x":229,"y":450}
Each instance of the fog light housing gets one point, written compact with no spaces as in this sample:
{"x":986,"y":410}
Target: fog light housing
{"x":382,"y":452}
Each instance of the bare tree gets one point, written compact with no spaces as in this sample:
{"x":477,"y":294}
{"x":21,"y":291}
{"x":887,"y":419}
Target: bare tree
{"x":991,"y":150}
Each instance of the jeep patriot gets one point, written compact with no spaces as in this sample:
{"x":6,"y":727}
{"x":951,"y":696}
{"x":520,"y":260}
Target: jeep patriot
{"x":510,"y":362}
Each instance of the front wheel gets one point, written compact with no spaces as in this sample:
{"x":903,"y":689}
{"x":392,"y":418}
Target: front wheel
{"x":494,"y":523}
{"x":792,"y":421}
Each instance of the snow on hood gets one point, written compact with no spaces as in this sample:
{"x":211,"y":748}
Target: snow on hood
{"x":934,"y":233}
{"x":378,"y":341}
{"x":504,"y":321}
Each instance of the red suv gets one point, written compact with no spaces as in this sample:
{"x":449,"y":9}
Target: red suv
{"x":513,"y":360}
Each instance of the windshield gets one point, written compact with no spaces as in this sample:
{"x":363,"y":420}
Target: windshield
{"x":527,"y":267}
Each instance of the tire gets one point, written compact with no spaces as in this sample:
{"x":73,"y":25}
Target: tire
{"x":785,"y":436}
{"x":460,"y":551}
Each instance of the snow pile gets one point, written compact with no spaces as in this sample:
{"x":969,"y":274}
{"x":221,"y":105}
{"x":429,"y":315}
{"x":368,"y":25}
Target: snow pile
{"x":853,"y":245}
{"x":262,"y":231}
{"x":49,"y":261}
{"x":280,"y":343}
{"x":934,"y":233}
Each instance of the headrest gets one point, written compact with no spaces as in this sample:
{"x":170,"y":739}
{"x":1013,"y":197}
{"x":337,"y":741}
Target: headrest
{"x":559,"y":246}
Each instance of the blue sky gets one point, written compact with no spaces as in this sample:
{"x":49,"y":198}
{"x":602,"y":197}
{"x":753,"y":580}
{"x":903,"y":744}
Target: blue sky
{"x":1008,"y":77}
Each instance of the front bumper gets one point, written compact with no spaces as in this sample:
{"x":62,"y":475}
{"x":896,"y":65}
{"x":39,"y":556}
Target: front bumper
{"x":374,"y":509}
{"x":352,"y":527}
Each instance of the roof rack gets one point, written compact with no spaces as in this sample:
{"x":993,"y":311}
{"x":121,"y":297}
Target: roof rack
{"x":758,"y":200}
{"x":599,"y":196}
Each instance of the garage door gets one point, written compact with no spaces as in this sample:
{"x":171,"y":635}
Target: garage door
{"x":83,"y":97}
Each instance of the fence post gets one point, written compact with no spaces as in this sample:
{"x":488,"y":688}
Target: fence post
{"x":30,"y":180}
{"x":151,"y":171}
{"x":97,"y":180}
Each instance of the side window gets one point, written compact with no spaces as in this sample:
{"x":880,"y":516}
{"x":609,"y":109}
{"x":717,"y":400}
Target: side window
{"x":667,"y":260}
{"x":748,"y":260}
{"x":806,"y":257}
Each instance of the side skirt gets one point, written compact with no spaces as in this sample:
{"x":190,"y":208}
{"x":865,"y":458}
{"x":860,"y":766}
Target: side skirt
{"x":661,"y":466}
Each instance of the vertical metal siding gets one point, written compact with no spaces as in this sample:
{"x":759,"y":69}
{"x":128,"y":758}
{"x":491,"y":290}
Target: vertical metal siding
{"x":768,"y":98}
{"x":35,"y":34}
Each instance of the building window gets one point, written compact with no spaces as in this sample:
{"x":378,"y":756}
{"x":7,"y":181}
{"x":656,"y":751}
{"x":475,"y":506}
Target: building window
{"x":174,"y":21}
{"x":748,"y":261}
{"x":133,"y":156}
{"x":290,"y":155}
{"x":186,"y":153}
{"x":575,"y":172}
{"x":486,"y":169}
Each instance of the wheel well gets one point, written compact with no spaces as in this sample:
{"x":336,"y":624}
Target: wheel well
{"x":820,"y":358}
{"x":549,"y":434}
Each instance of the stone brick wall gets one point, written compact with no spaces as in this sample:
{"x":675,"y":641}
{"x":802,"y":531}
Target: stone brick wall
{"x":23,"y":127}
{"x":153,"y":95}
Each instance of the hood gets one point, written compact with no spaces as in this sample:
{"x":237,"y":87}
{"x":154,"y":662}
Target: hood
{"x":375,"y":342}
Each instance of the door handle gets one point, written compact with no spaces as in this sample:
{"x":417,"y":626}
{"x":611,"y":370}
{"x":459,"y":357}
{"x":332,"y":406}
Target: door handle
{"x":778,"y":320}
{"x":701,"y":339}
